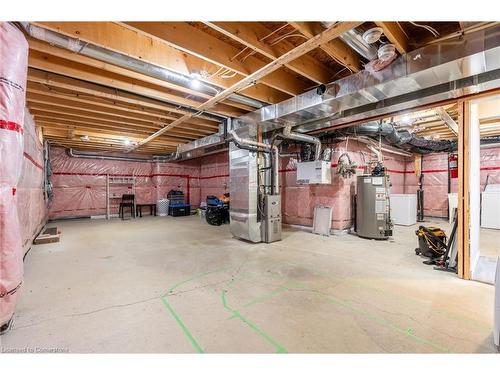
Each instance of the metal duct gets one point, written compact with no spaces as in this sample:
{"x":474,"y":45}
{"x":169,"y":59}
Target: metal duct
{"x":355,"y":40}
{"x":244,"y":185}
{"x":124,"y":61}
{"x":436,"y":72}
{"x":252,"y":145}
{"x":288,"y":134}
{"x":87,"y":155}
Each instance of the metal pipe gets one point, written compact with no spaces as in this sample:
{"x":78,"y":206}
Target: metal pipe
{"x":288,"y":134}
{"x":119,"y":59}
{"x":156,"y":158}
{"x":355,"y":40}
{"x":262,"y":147}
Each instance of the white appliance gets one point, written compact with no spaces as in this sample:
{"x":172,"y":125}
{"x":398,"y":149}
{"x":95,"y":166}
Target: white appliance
{"x":403,"y":209}
{"x":452,"y":205}
{"x":314,"y":172}
{"x":490,"y":208}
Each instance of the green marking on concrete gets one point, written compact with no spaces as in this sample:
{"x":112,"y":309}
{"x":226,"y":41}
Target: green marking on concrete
{"x":236,"y":314}
{"x":181,"y":324}
{"x":266,"y":296}
{"x":401,"y":298}
{"x":176,"y":317}
{"x":339,"y":302}
{"x":197,"y":277}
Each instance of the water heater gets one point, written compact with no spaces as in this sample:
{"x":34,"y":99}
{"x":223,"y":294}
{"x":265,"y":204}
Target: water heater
{"x":373,"y":218}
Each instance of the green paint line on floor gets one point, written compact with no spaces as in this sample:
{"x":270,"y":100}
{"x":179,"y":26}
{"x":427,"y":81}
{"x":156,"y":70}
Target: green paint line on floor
{"x":176,"y":317}
{"x":266,"y":296}
{"x":279,"y":348}
{"x":197,"y":277}
{"x":406,"y":332}
{"x":183,"y":327}
{"x":401,"y":298}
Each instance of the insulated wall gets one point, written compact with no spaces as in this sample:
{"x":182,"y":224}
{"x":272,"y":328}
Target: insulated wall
{"x":31,"y":203}
{"x":79,"y":184}
{"x":13,"y":75}
{"x":214,"y":175}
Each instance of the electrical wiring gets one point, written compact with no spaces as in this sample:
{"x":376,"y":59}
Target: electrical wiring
{"x":228,"y":75}
{"x":288,"y":36}
{"x":432,"y":30}
{"x":273,"y":32}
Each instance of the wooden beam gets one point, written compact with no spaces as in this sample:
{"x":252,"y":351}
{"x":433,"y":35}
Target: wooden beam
{"x":198,"y":43}
{"x":463,"y":242}
{"x":448,"y":121}
{"x":393,"y":32}
{"x":250,"y":34}
{"x":329,"y":34}
{"x":336,"y":49}
{"x":122,"y":39}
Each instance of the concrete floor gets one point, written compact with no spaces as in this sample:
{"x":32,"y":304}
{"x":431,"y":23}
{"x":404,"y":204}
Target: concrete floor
{"x":167,"y":285}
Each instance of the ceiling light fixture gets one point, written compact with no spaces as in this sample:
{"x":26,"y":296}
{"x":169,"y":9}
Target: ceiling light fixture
{"x":372,"y":35}
{"x":126,"y":142}
{"x":386,"y":52}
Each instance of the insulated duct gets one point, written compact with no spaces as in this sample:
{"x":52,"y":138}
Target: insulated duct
{"x":401,"y":139}
{"x":124,"y":61}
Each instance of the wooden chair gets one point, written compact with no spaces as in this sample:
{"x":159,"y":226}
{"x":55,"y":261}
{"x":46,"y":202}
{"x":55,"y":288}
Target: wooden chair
{"x":128,"y":201}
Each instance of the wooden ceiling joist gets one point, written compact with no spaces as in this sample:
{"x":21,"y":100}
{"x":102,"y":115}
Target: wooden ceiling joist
{"x":103,"y":124}
{"x":250,"y":35}
{"x":327,"y":35}
{"x":59,"y":106}
{"x":196,"y":42}
{"x":87,"y":73}
{"x":45,"y":93}
{"x":336,"y":49}
{"x":396,"y":36}
{"x":120,"y":38}
{"x":58,"y":81}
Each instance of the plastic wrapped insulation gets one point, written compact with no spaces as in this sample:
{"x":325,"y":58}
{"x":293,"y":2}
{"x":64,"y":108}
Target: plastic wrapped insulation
{"x":13,"y":75}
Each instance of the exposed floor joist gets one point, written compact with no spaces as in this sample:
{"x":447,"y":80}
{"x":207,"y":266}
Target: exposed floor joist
{"x":327,"y":35}
{"x":338,"y":50}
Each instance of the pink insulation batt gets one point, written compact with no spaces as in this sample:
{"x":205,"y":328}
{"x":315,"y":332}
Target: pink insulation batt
{"x":13,"y":74}
{"x":80,"y":184}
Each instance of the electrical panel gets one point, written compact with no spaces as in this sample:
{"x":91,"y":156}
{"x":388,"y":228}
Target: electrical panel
{"x":314,"y":172}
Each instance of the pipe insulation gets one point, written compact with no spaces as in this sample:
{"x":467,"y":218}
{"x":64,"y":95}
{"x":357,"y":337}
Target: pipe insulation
{"x":87,"y":49}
